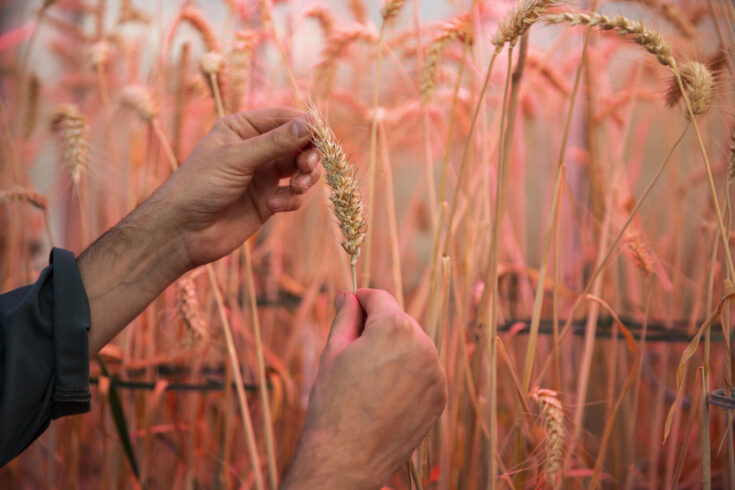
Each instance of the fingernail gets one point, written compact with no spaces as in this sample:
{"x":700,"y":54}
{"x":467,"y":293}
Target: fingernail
{"x":276,"y":202}
{"x":303,"y":180}
{"x":312,"y":158}
{"x":340,"y":301}
{"x":299,"y":129}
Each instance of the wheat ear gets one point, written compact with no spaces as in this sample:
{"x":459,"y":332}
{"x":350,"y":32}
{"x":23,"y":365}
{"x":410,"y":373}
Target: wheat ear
{"x":552,"y":421}
{"x":391,"y":8}
{"x":519,"y":21}
{"x":324,"y":18}
{"x":649,"y":39}
{"x":456,"y":29}
{"x":345,"y":196}
{"x":639,"y":252}
{"x":189,"y":308}
{"x":698,"y":83}
{"x":211,"y":65}
{"x":71,"y":126}
{"x":239,"y":62}
{"x":23,"y":194}
{"x":137,"y":98}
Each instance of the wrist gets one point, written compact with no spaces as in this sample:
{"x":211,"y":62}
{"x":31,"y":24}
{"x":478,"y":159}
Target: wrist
{"x":319,"y":463}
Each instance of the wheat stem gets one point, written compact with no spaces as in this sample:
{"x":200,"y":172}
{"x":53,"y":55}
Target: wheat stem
{"x":239,"y":386}
{"x":492,"y":282}
{"x":608,"y":254}
{"x":262,"y":380}
{"x":217,"y":96}
{"x":710,"y":179}
{"x":373,"y":160}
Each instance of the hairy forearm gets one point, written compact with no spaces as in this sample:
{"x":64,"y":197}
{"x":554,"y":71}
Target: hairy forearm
{"x":318,"y":464}
{"x":127,"y":267}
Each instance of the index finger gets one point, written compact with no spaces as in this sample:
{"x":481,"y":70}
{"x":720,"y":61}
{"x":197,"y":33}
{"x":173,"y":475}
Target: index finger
{"x":252,"y":123}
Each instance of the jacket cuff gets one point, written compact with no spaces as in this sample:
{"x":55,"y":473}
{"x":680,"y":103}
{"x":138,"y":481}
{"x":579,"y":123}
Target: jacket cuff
{"x":71,"y":343}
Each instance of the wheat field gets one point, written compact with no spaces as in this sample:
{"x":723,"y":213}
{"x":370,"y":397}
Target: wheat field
{"x":545,"y":186}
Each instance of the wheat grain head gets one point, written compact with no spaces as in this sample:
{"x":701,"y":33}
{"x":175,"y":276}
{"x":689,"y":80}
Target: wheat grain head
{"x":345,"y":196}
{"x":456,"y":29}
{"x":71,"y":126}
{"x":649,"y":39}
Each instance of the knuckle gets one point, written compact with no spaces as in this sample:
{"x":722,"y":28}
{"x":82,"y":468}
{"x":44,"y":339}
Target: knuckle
{"x":400,"y":322}
{"x":279,"y":139}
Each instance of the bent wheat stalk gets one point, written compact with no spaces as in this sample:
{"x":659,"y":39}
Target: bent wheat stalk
{"x":388,"y":12}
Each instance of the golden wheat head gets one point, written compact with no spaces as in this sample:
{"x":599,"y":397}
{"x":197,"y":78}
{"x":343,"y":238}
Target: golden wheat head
{"x":458,"y":29}
{"x":649,"y":39}
{"x":698,"y":84}
{"x":71,"y":126}
{"x":519,"y":21}
{"x":138,"y":99}
{"x":345,"y":196}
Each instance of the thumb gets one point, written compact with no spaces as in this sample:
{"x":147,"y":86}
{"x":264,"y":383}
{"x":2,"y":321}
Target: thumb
{"x":283,"y":141}
{"x":346,"y":327}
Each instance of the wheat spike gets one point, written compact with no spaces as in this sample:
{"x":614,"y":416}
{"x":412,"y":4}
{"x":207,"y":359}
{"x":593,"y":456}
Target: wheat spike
{"x":357,"y":7}
{"x":23,"y":194}
{"x":345,"y":195}
{"x":128,"y":13}
{"x":323,"y":16}
{"x":31,"y":108}
{"x":239,"y":62}
{"x":455,"y":29}
{"x":72,"y":127}
{"x":552,"y":421}
{"x":137,"y":98}
{"x":196,"y":19}
{"x":98,"y":54}
{"x":391,"y":8}
{"x":519,"y":21}
{"x":639,"y":252}
{"x":334,"y":48}
{"x":647,"y":38}
{"x":211,"y":63}
{"x":698,"y":83}
{"x":187,"y":304}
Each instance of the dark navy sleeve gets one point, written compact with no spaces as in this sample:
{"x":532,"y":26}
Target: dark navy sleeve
{"x":44,"y":354}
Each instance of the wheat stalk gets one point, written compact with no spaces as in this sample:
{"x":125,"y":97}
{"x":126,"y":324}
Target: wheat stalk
{"x":698,"y":83}
{"x":649,"y":39}
{"x":552,"y":421}
{"x":345,"y":196}
{"x":71,"y":126}
{"x":196,"y":19}
{"x":456,"y":29}
{"x":30,"y":115}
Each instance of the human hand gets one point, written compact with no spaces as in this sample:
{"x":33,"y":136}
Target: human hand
{"x":229,"y":185}
{"x":379,"y":389}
